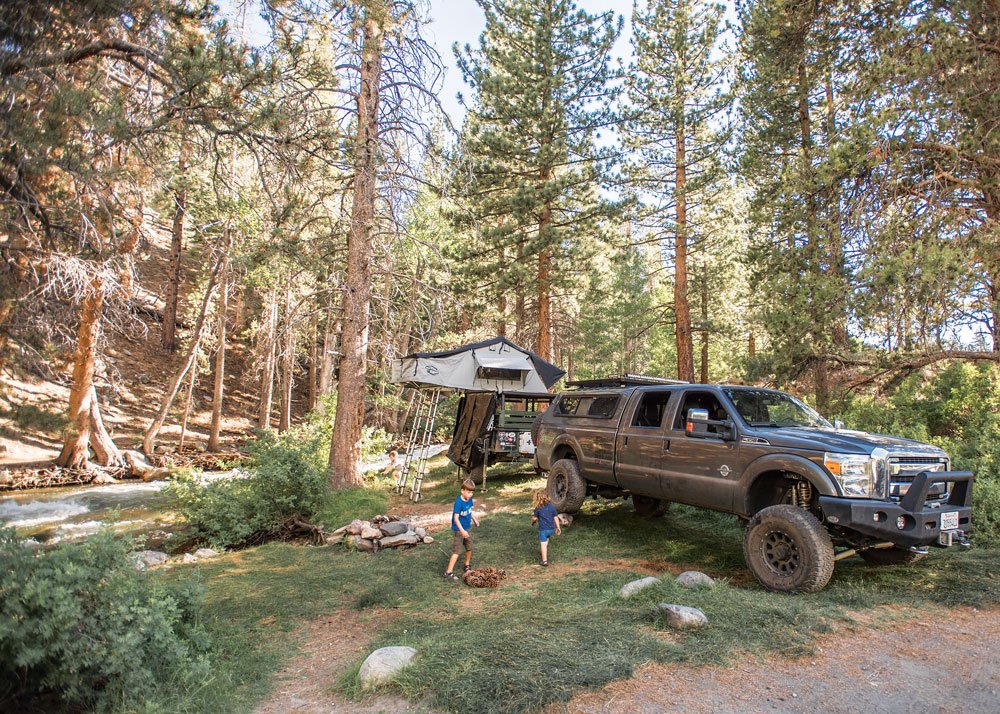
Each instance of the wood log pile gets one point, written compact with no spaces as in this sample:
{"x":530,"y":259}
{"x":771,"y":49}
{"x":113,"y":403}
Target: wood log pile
{"x":50,"y":476}
{"x":484,"y":577}
{"x":379,"y":533}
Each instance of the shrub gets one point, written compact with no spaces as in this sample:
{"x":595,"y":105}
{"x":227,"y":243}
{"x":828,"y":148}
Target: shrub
{"x":80,"y":624}
{"x":288,"y":481}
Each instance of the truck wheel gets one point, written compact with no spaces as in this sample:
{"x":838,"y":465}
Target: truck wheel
{"x":567,"y":489}
{"x":788,"y":550}
{"x":475,"y":473}
{"x":649,"y":507}
{"x":890,"y":556}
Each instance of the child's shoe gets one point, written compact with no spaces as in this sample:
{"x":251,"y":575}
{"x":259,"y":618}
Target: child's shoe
{"x":545,"y":563}
{"x":467,"y":568}
{"x":451,"y":576}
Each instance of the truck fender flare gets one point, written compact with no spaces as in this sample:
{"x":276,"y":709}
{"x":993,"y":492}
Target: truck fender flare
{"x":562,"y":441}
{"x":785,"y":462}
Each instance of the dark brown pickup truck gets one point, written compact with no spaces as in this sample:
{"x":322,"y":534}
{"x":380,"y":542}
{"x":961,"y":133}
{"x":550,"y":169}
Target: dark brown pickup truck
{"x":811,"y":492}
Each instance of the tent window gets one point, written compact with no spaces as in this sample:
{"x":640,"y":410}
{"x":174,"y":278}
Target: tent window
{"x":506,"y":375}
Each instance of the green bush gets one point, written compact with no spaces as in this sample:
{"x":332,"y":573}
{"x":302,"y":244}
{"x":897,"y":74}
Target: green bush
{"x":288,"y":480}
{"x":80,"y":626}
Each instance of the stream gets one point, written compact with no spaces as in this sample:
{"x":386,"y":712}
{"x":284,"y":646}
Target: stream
{"x":52,"y":515}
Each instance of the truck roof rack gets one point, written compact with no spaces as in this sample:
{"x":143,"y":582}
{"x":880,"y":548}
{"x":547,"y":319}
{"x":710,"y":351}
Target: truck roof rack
{"x":623,"y":380}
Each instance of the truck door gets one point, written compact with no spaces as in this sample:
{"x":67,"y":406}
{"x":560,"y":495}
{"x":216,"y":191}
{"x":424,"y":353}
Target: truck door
{"x":642,"y":442}
{"x":702,"y":471}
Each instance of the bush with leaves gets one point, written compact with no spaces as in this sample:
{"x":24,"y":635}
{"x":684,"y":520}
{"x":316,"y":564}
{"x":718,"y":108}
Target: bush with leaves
{"x":79,"y":625}
{"x":288,"y":481}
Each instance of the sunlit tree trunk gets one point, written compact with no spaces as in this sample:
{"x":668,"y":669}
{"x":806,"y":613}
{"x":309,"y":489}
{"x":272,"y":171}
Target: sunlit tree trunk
{"x":267,"y":371}
{"x":220,"y":362}
{"x":76,"y":442}
{"x":287,"y":364}
{"x":169,"y":336}
{"x":345,"y":445}
{"x":682,"y":309}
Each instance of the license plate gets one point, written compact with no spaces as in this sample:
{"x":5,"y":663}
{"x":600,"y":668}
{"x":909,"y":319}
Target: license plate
{"x":949,"y":521}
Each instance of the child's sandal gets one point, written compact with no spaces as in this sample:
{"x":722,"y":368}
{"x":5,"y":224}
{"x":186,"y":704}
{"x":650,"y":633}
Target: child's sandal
{"x":545,"y":563}
{"x":467,"y":568}
{"x":451,"y":576}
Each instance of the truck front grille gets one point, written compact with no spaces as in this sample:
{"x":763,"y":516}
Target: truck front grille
{"x":902,"y":469}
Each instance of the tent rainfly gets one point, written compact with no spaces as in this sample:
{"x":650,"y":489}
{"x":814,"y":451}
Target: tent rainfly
{"x":496,"y":365}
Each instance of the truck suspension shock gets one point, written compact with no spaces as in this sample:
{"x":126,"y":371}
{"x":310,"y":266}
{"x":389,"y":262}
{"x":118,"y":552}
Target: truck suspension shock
{"x":802,"y":494}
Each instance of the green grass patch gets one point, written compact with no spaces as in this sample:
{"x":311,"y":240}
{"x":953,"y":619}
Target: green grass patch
{"x":341,"y":507}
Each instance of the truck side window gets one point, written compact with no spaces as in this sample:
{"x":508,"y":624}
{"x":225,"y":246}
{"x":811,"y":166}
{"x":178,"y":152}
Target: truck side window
{"x":603,"y":407}
{"x":649,"y":413}
{"x":701,"y":400}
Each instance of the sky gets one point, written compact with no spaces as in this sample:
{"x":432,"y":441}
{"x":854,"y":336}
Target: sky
{"x":462,"y":21}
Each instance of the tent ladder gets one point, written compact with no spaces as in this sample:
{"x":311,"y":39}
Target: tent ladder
{"x":421,"y":469}
{"x":414,"y":431}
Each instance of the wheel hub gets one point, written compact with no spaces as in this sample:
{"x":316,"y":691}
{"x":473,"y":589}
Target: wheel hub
{"x":781,"y":553}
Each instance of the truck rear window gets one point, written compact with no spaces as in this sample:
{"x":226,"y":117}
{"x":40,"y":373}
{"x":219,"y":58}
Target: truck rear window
{"x":603,"y":407}
{"x":568,"y":405}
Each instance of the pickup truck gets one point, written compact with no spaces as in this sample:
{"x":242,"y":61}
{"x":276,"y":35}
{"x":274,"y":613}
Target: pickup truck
{"x":810,"y":492}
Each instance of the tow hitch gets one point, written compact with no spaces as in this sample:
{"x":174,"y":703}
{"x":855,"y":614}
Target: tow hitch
{"x":950,"y":538}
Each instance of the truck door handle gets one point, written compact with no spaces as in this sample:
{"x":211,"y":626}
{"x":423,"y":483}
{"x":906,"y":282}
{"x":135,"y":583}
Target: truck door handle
{"x":666,"y":444}
{"x":624,"y":441}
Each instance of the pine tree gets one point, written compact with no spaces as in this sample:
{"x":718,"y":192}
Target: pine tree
{"x":542,"y":82}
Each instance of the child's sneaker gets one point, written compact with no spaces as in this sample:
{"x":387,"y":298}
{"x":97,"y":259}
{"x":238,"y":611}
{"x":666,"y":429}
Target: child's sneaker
{"x":451,"y":576}
{"x":467,"y":568}
{"x":545,"y":563}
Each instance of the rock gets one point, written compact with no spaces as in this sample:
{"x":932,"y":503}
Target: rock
{"x":695,"y":579}
{"x":157,"y":474}
{"x":355,"y":526}
{"x":421,"y":532}
{"x":340,"y":531}
{"x":364,"y":544}
{"x":370,"y":533}
{"x":384,"y":664}
{"x":564,"y":519}
{"x":163,"y":449}
{"x":630,"y":589}
{"x":205,"y":553}
{"x":394,"y":528}
{"x":189,"y":558}
{"x":147,"y":558}
{"x":199,"y":447}
{"x":681,"y":617}
{"x":428,"y":540}
{"x":402,"y":539}
{"x":335,"y":539}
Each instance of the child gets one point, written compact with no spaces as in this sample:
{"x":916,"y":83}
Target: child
{"x":393,"y":467}
{"x":545,"y":515}
{"x":462,"y":519}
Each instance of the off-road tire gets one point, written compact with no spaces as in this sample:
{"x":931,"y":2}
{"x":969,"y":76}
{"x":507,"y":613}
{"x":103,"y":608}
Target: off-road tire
{"x":566,"y":487}
{"x":890,"y":556}
{"x":788,"y":550}
{"x":649,"y":507}
{"x":476,"y":474}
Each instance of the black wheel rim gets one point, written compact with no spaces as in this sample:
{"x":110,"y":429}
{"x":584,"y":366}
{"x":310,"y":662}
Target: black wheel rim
{"x":561,"y":485}
{"x":781,"y":553}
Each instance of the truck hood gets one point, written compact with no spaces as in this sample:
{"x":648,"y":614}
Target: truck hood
{"x":843,"y":441}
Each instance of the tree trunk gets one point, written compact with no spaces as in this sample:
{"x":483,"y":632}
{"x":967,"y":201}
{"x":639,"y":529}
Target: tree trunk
{"x":267,"y":371}
{"x":74,"y":454}
{"x":220,"y":361}
{"x":313,"y":366}
{"x":149,"y":440}
{"x":187,"y":404}
{"x":287,"y":363}
{"x":682,"y":309}
{"x":169,"y":336}
{"x":545,"y":305}
{"x":345,"y":444}
{"x":703,"y":289}
{"x":330,"y":332}
{"x":104,"y":447}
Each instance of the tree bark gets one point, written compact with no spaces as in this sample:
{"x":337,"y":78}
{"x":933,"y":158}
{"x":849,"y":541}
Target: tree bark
{"x":682,"y":309}
{"x":169,"y":335}
{"x":104,"y":447}
{"x":218,"y":391}
{"x":287,"y":363}
{"x":313,"y":366}
{"x":345,"y":444}
{"x":545,"y":305}
{"x":267,"y":371}
{"x":149,"y":440}
{"x":76,"y":443}
{"x":329,"y":348}
{"x":703,"y":289}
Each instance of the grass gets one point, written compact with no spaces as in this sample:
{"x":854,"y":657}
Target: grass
{"x":545,"y":634}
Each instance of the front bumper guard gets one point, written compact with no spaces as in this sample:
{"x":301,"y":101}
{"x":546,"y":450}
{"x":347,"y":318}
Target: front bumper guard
{"x":920,"y":524}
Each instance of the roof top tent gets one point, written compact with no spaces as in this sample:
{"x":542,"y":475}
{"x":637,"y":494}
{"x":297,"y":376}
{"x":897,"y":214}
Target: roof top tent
{"x":505,"y":385}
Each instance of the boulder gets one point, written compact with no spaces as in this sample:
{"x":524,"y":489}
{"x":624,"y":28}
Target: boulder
{"x":630,"y":589}
{"x":421,"y":532}
{"x":370,"y":533}
{"x":189,"y":558}
{"x":681,"y":617}
{"x":428,"y":540}
{"x":205,"y":553}
{"x":383,"y":664}
{"x":564,"y":519}
{"x":402,"y":539}
{"x":695,"y":579}
{"x":335,"y":539}
{"x":355,"y":526}
{"x":340,"y":531}
{"x":364,"y":544}
{"x":394,"y":528}
{"x":147,"y":558}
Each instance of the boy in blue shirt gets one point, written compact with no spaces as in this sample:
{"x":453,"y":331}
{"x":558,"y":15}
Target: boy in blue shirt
{"x":462,"y":519}
{"x":547,"y":518}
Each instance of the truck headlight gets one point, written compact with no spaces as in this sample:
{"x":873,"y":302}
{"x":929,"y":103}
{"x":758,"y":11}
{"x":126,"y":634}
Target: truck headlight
{"x":852,"y":471}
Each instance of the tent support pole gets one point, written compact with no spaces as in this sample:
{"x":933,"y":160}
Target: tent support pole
{"x":404,"y":473}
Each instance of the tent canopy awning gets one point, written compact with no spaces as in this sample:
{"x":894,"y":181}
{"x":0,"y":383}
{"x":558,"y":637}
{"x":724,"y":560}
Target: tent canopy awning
{"x":496,"y":365}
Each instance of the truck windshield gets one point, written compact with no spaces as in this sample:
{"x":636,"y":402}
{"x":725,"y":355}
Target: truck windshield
{"x":760,"y":407}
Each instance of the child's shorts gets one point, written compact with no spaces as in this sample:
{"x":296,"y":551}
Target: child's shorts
{"x":544,"y":534}
{"x":458,"y":543}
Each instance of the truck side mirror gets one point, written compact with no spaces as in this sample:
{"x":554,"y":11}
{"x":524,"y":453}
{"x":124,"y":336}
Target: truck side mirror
{"x":697,"y":422}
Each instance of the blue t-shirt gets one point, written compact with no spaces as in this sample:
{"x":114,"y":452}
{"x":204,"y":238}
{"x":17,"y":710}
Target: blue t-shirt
{"x":464,"y":510}
{"x":546,"y":516}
